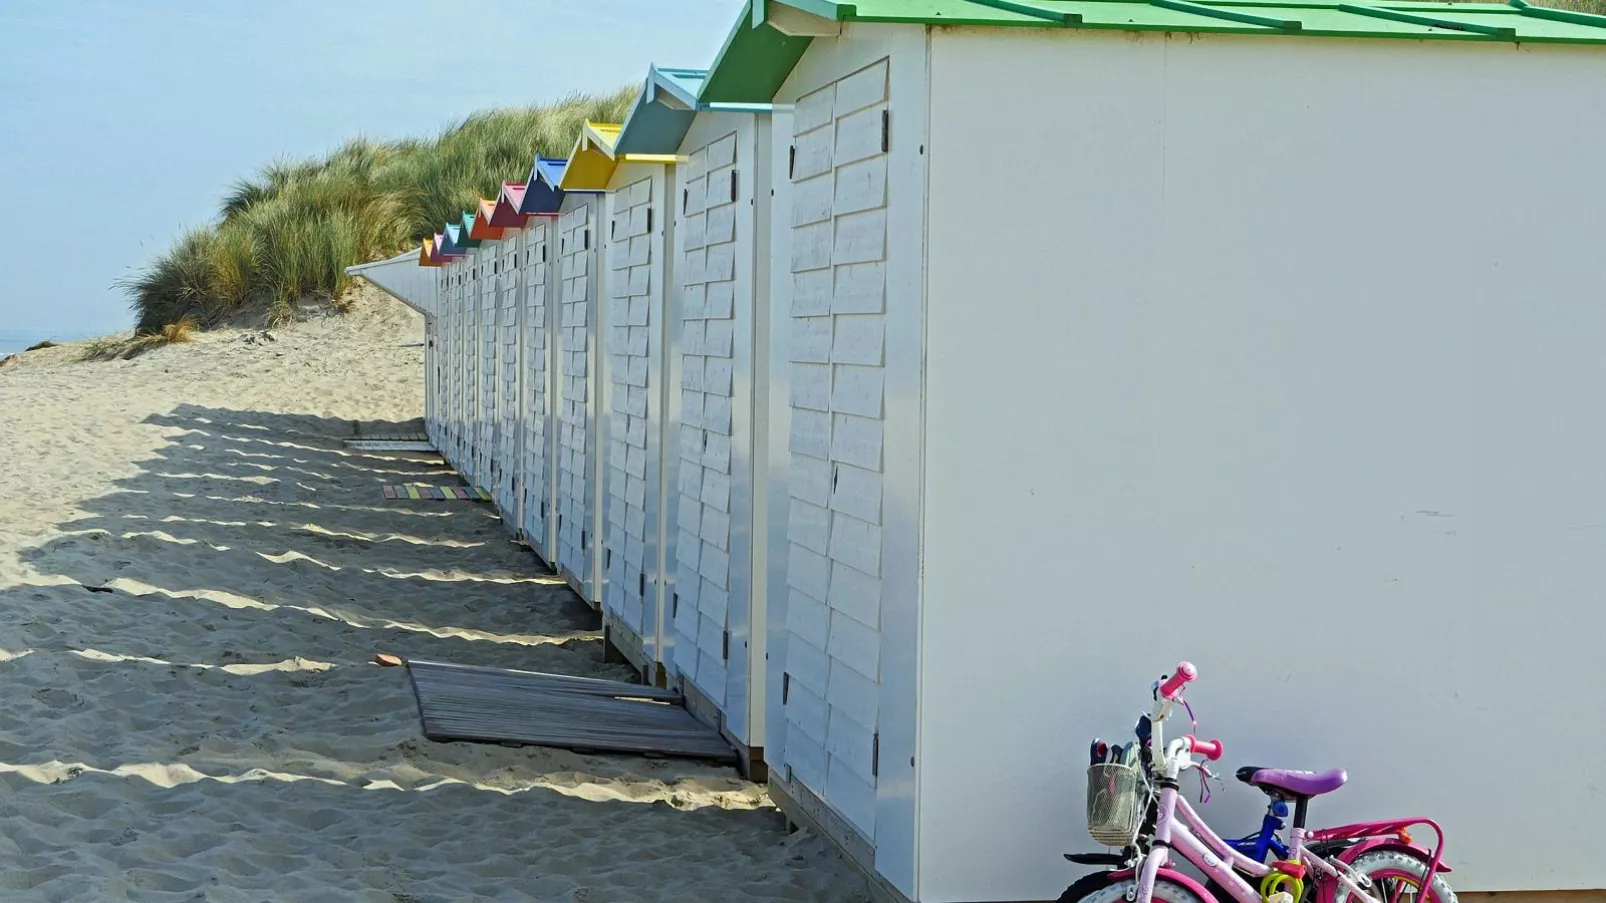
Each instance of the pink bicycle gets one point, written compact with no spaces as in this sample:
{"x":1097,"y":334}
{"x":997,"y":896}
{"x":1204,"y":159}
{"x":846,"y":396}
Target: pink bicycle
{"x":1134,"y":803}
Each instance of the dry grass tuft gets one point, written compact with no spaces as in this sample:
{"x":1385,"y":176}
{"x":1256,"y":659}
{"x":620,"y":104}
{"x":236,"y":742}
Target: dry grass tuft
{"x":109,"y":349}
{"x":182,"y":331}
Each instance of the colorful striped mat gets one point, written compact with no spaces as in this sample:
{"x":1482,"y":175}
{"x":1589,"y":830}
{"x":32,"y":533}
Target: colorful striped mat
{"x":419,"y":492}
{"x":388,"y":445}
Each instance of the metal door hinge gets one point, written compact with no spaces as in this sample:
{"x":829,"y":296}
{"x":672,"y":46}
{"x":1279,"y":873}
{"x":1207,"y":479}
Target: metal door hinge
{"x":649,"y":220}
{"x":685,"y":199}
{"x":725,"y":645}
{"x":786,"y":687}
{"x":642,"y":585}
{"x":886,"y":130}
{"x":587,"y":245}
{"x":734,"y":186}
{"x":875,"y":755}
{"x":791,"y":162}
{"x":674,"y":605}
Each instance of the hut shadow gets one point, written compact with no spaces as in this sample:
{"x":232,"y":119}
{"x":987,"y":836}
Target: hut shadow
{"x":213,"y":619}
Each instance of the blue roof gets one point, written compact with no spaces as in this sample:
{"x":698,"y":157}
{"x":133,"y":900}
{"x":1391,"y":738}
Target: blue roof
{"x":549,"y":170}
{"x":541,"y":192}
{"x":663,"y":113}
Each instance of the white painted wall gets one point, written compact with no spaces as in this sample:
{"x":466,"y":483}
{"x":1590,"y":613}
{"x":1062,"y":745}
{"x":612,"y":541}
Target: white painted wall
{"x":1286,"y":354}
{"x":402,"y":277}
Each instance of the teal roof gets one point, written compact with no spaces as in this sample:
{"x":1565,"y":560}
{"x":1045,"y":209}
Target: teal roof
{"x":663,"y":112}
{"x":757,"y":58}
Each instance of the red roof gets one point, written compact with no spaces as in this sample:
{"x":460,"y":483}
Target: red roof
{"x":507,"y":215}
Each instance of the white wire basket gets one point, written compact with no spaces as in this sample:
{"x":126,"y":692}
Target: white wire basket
{"x":1115,"y":797}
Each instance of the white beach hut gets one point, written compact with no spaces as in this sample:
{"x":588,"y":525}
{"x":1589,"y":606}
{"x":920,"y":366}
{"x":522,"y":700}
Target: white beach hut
{"x":1176,"y":393}
{"x":539,"y":201}
{"x":636,"y":238}
{"x":715,"y":446}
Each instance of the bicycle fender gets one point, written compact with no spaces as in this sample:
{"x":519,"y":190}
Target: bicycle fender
{"x":1171,"y":875}
{"x":1389,"y":843}
{"x":1327,"y":890}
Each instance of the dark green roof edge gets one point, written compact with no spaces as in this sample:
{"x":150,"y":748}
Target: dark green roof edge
{"x":753,"y":62}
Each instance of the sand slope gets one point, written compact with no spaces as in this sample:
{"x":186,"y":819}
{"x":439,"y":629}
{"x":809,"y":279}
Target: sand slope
{"x":194,"y":575}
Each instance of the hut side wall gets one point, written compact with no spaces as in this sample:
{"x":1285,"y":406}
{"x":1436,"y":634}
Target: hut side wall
{"x":1290,"y":376}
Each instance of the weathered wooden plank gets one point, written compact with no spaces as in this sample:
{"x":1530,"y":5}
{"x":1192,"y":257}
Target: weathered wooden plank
{"x":458,"y":702}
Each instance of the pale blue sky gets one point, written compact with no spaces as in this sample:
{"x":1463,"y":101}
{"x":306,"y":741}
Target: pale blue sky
{"x":149,"y":109}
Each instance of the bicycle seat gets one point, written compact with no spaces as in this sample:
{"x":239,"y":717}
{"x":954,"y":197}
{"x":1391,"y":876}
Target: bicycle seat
{"x":1293,"y":784}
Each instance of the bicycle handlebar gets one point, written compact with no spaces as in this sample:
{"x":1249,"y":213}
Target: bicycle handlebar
{"x":1184,"y":674}
{"x":1210,"y":749}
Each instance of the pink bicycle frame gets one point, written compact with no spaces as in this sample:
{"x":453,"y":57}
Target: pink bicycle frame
{"x":1178,"y":827}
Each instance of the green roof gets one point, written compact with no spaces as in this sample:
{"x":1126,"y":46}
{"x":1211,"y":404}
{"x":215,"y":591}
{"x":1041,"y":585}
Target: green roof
{"x":756,"y":59}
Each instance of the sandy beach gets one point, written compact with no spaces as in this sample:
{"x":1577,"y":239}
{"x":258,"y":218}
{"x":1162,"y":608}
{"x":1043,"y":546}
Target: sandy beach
{"x":195,"y":575}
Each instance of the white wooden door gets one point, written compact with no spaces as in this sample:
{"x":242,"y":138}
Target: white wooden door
{"x":535,"y":396}
{"x":576,"y":479}
{"x":486,"y":470}
{"x":635,"y":317}
{"x":836,"y":360}
{"x":710,"y":566}
{"x":509,"y":431}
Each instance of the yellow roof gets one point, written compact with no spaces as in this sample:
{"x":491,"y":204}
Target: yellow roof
{"x":593,"y":160}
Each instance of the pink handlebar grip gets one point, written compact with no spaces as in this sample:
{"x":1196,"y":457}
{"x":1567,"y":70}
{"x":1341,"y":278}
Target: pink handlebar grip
{"x":1210,"y":749}
{"x":1185,"y":672}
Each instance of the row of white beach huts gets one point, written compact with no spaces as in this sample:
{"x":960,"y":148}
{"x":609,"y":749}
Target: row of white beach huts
{"x":915,"y":384}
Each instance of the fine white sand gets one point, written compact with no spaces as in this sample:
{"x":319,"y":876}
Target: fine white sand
{"x":194,"y":578}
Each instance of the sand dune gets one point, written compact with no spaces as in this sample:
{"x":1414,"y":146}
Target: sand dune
{"x":194,"y":578}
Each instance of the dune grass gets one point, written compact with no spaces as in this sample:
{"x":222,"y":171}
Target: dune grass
{"x":288,"y":233}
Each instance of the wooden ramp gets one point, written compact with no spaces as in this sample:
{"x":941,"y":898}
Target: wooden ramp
{"x":492,"y":705}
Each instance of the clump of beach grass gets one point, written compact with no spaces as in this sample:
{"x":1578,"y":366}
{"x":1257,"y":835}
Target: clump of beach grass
{"x":287,"y":234}
{"x":115,"y":348}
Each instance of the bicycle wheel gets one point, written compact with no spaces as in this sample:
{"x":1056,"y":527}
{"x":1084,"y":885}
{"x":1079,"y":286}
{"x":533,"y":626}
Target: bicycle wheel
{"x":1165,"y":891}
{"x":1396,"y":877}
